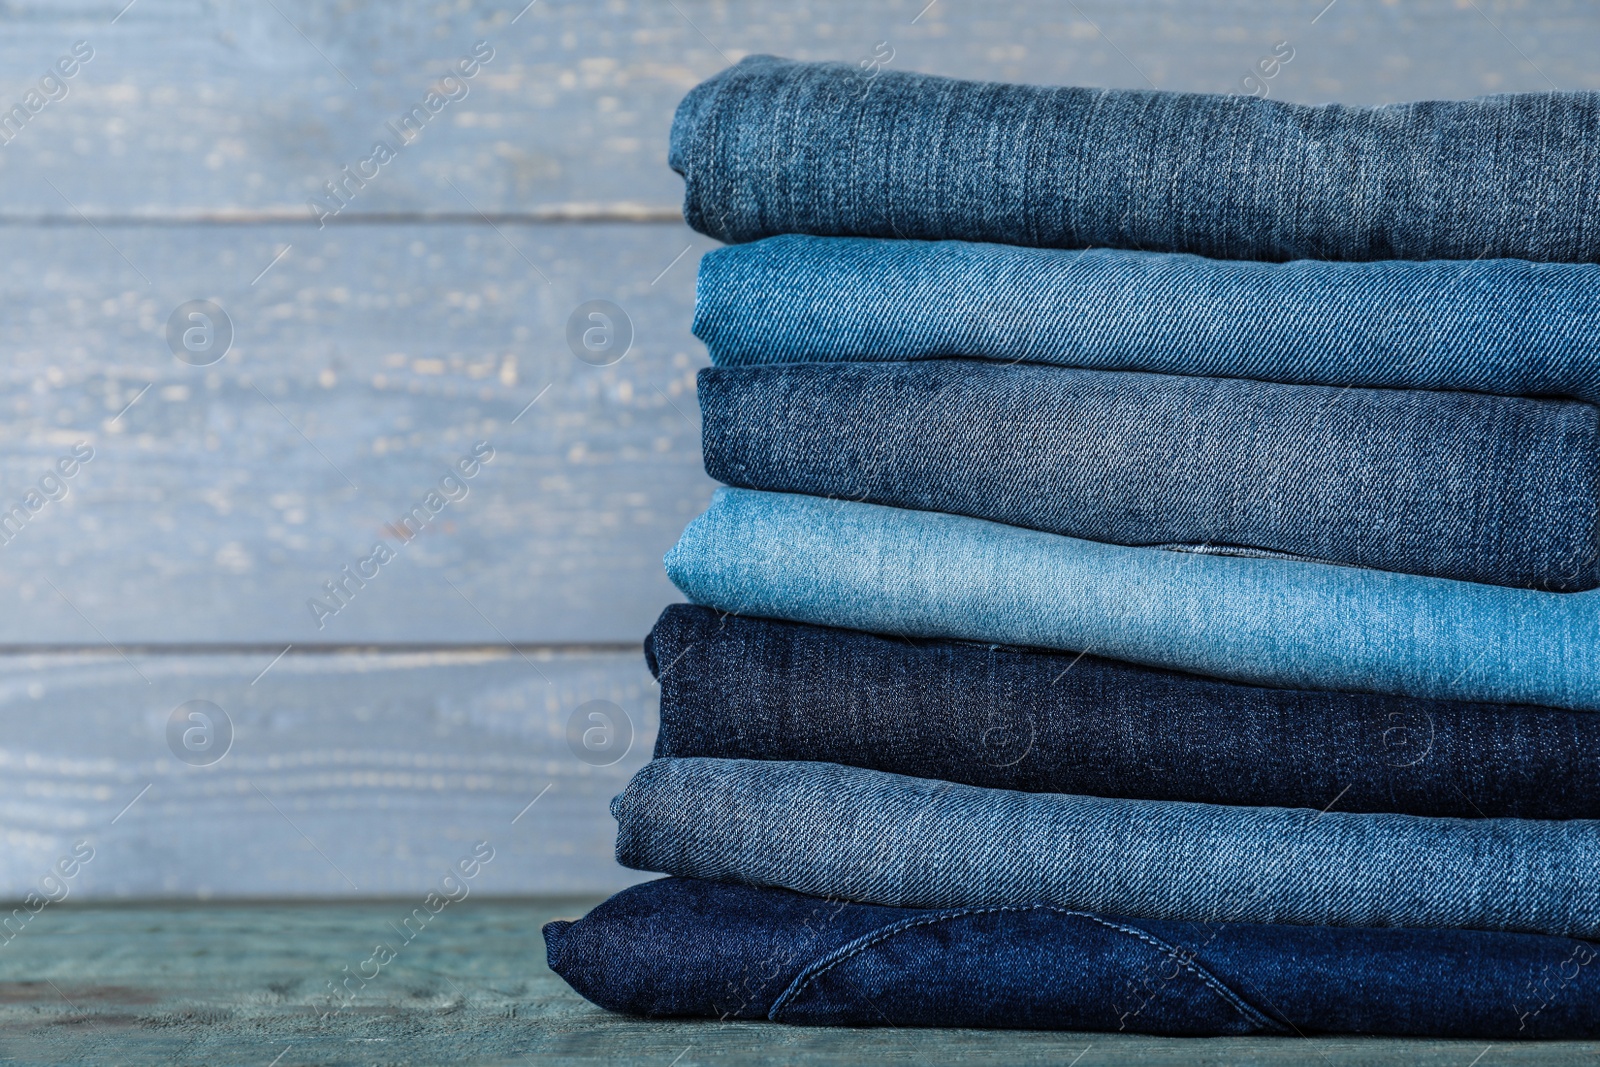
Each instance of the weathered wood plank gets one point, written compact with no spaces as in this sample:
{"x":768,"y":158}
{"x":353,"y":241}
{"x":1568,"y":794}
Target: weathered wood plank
{"x":218,"y":503}
{"x":229,"y":984}
{"x":347,"y":774}
{"x":210,"y":516}
{"x":364,"y":364}
{"x":235,"y":106}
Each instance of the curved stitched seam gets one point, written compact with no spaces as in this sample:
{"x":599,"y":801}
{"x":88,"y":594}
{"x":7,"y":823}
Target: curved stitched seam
{"x":860,"y":945}
{"x":1243,"y":1006}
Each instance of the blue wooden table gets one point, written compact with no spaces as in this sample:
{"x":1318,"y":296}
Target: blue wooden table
{"x":243,"y":984}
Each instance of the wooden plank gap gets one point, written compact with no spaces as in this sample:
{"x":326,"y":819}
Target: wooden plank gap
{"x":598,"y":648}
{"x":572,"y":214}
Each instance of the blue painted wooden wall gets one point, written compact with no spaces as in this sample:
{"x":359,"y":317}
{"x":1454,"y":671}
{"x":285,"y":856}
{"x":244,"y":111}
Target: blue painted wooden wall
{"x":377,"y":338}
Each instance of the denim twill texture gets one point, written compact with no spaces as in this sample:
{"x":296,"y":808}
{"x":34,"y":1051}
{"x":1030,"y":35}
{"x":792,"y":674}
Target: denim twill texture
{"x":1454,"y":485}
{"x":1054,"y":722}
{"x":876,"y":838}
{"x":772,"y":146}
{"x":1503,"y":326}
{"x":677,"y":947}
{"x":1266,"y":621}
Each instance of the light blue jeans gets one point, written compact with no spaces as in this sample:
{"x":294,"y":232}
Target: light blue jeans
{"x":1268,"y":621}
{"x":876,"y":838}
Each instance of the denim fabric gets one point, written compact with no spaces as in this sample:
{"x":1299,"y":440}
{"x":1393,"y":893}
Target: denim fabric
{"x":1453,"y":485}
{"x":877,"y":838}
{"x":676,"y":947}
{"x":772,"y":146}
{"x":1267,"y":621}
{"x":1502,"y":326}
{"x":1050,"y":722}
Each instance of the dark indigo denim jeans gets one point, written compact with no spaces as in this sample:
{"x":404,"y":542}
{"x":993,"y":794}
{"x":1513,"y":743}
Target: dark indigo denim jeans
{"x":1452,"y":485}
{"x":1280,"y":622}
{"x":679,"y":947}
{"x":734,"y":687}
{"x":771,"y":146}
{"x":1503,"y":326}
{"x":879,"y":838}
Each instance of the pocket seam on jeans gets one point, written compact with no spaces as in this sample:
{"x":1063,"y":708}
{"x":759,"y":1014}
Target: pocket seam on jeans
{"x":849,"y":951}
{"x":1217,"y":985}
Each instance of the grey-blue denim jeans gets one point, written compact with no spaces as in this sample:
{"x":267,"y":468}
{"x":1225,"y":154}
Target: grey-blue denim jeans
{"x":772,"y":146}
{"x":1501,"y":490}
{"x":877,"y":838}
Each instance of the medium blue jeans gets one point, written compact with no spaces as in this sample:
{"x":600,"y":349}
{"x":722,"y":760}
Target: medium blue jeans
{"x":1453,"y":485}
{"x":1056,"y":722}
{"x":681,"y":947}
{"x":1266,"y":621}
{"x":772,"y":146}
{"x":877,"y":838}
{"x":1502,"y":326}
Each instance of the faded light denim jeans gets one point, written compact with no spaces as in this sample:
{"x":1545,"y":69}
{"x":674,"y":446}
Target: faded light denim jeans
{"x":1056,"y":722}
{"x":1503,"y":326}
{"x":681,"y":947}
{"x":771,"y":146}
{"x":1453,"y":485}
{"x":877,"y":838}
{"x":1266,"y":621}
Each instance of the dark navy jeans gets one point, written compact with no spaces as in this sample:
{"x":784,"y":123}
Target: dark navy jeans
{"x":771,"y":146}
{"x":1477,"y":488}
{"x":680,"y":947}
{"x":1051,"y":722}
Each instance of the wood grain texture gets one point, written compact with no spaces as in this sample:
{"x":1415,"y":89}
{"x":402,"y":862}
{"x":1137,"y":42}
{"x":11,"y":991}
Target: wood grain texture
{"x":238,"y":108}
{"x":371,"y":353}
{"x":349,"y":775}
{"x":365,"y":363}
{"x":229,"y":984}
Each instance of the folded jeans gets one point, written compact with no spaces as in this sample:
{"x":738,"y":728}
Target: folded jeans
{"x":772,"y":146}
{"x":681,"y":947}
{"x":1054,"y":722}
{"x":877,"y":838}
{"x":1275,"y":622}
{"x":1501,"y":490}
{"x":1502,"y":326}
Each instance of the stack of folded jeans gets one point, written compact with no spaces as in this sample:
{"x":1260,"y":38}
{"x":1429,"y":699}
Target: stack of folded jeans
{"x":1159,"y":583}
